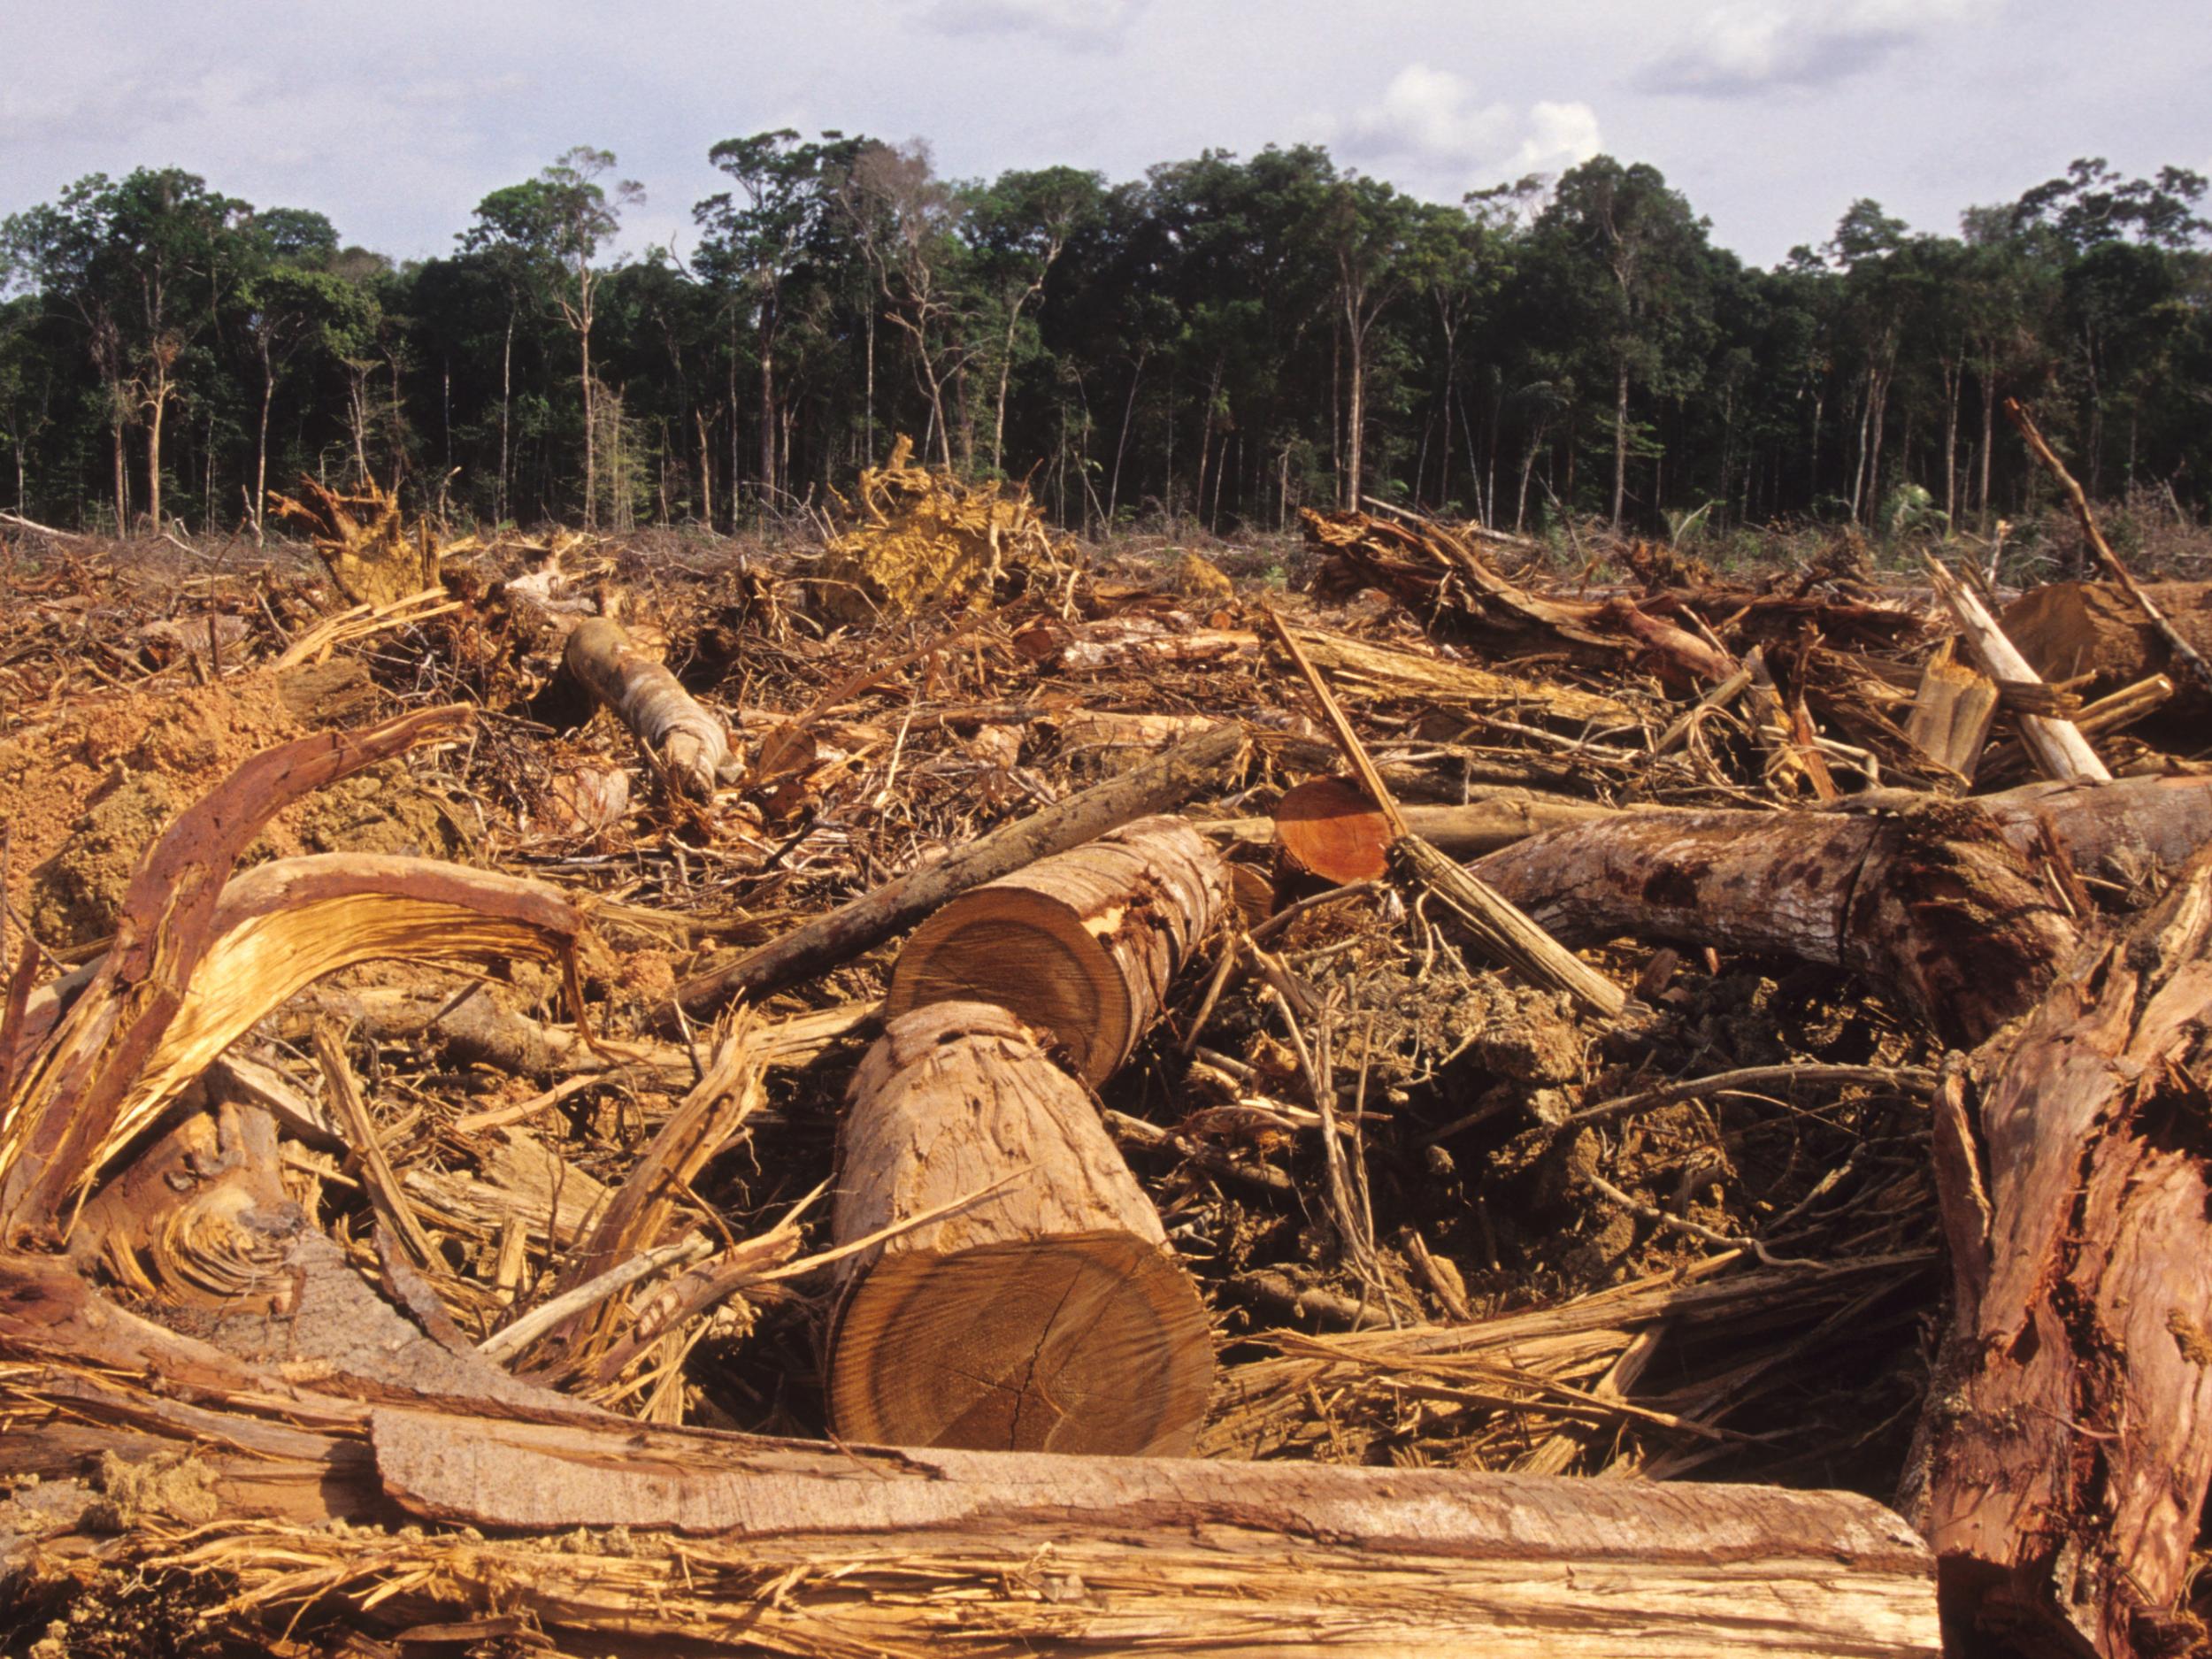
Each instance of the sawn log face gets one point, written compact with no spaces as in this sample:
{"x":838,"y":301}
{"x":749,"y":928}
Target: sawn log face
{"x":1081,"y":946}
{"x":1046,"y":1314}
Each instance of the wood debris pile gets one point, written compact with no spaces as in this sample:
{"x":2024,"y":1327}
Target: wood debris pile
{"x":1459,"y":1108}
{"x":920,"y":538}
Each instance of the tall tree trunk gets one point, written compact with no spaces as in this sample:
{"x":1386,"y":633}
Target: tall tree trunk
{"x":1954,"y":374}
{"x":1121,"y":444}
{"x":261,"y":446}
{"x":1812,"y":469}
{"x":122,"y":484}
{"x":706,"y":469}
{"x":767,"y":401}
{"x":506,"y":402}
{"x":1355,"y":413}
{"x":591,"y":472}
{"x":1989,"y":430}
{"x":1005,"y":381}
{"x":159,"y":402}
{"x":1620,"y":442}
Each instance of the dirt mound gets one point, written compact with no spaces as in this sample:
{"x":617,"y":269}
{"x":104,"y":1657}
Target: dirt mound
{"x":76,"y":894}
{"x":85,"y":794}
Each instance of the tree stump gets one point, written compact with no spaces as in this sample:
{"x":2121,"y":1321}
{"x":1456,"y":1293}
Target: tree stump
{"x":1082,"y":945}
{"x":1047,"y":1315}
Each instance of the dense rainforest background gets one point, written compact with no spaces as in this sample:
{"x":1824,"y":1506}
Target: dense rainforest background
{"x":1218,"y":343}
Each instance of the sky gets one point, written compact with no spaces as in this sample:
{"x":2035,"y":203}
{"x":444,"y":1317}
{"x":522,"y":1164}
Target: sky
{"x":1772,"y":116}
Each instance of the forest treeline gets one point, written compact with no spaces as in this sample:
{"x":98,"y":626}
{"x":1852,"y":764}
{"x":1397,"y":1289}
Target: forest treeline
{"x":1222,"y":340}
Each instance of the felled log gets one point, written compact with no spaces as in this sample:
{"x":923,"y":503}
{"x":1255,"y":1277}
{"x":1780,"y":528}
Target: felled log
{"x":2070,"y":1425}
{"x":2115,"y":831}
{"x":1931,"y":902}
{"x":688,"y":745}
{"x":1082,"y":945}
{"x":1045,"y":1311}
{"x":734,"y":1543}
{"x":1329,"y":828}
{"x":1158,"y":784}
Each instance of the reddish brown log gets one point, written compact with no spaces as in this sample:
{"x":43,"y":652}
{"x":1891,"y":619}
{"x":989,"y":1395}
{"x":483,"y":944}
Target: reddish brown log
{"x":1082,"y":945}
{"x":1930,"y":903}
{"x":1330,"y":828}
{"x":2070,"y":1427}
{"x":1047,"y":1314}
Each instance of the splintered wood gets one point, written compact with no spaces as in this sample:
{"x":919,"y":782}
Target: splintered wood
{"x":952,"y":1093}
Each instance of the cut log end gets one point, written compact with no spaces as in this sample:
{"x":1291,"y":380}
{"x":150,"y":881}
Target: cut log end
{"x":1026,"y":1299}
{"x":1082,"y":945}
{"x":1091,"y":1342}
{"x":1020,"y":949}
{"x":1329,"y":828}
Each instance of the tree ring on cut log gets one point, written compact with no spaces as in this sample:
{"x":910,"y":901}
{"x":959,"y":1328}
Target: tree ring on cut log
{"x":1027,"y":952}
{"x":1086,"y":1343}
{"x":1026,"y":1299}
{"x":1082,"y":944}
{"x":1329,"y":828}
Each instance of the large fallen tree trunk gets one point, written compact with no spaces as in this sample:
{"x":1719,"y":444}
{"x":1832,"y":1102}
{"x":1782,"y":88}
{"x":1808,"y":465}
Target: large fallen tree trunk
{"x":1082,"y":945}
{"x":849,"y":1550}
{"x":1157,"y":785}
{"x":1931,"y":902}
{"x":689,"y":746}
{"x":1043,"y":1309}
{"x":2115,"y":831}
{"x":2069,"y":1428}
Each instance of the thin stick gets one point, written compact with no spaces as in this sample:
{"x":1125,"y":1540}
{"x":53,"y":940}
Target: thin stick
{"x":390,"y":1202}
{"x":1906,"y":1080}
{"x":1504,"y":933}
{"x":503,"y":1345}
{"x":1637,"y":1207}
{"x":1363,"y":764}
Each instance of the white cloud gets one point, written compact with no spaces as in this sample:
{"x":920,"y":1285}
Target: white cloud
{"x":1079,"y":23}
{"x":1430,"y":132}
{"x":1747,"y":46}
